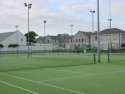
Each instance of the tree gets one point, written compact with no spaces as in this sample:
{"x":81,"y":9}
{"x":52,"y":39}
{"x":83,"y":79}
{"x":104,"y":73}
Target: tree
{"x":32,"y":37}
{"x":1,"y":46}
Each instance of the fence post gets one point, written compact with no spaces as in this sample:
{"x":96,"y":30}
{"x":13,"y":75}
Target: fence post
{"x":108,"y":56}
{"x":94,"y":58}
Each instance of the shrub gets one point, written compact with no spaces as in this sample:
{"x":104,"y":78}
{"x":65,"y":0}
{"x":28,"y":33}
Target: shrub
{"x":13,"y":45}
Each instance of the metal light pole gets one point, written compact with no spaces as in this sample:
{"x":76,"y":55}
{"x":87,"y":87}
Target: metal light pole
{"x":29,"y":7}
{"x":71,"y":25}
{"x":17,"y":37}
{"x":16,"y":26}
{"x":98,"y":31}
{"x":71,"y":28}
{"x":92,"y":11}
{"x":44,"y":33}
{"x":110,"y":26}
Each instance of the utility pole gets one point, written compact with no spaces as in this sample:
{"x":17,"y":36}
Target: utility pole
{"x":98,"y":31}
{"x":29,"y":7}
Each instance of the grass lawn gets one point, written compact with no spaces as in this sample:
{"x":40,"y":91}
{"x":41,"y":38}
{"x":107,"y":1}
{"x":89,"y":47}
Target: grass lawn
{"x":48,"y":74}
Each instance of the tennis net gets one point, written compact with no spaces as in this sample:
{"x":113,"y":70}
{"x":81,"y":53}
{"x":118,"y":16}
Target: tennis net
{"x":39,"y":61}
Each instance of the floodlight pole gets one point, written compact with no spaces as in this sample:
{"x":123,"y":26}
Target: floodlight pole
{"x":29,"y":7}
{"x":92,"y":11}
{"x":71,"y":25}
{"x":16,"y":26}
{"x":17,"y":37}
{"x":44,"y":33}
{"x":98,"y":31}
{"x":71,"y":28}
{"x":110,"y":26}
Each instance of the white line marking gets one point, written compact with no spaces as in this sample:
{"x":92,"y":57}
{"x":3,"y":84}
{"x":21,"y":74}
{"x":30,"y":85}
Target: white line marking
{"x":88,"y":75}
{"x":25,"y":66}
{"x":59,"y":79}
{"x":66,"y":71}
{"x":18,"y":87}
{"x":69,"y":90}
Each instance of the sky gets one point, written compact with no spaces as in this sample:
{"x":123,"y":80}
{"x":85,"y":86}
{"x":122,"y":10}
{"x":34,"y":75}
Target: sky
{"x":60,"y":14}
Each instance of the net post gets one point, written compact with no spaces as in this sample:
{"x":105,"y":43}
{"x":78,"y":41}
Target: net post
{"x":94,"y":58}
{"x":108,"y":55}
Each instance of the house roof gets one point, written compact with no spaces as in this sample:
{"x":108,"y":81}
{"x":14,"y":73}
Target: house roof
{"x":40,"y":38}
{"x":3,"y":36}
{"x":112,"y":31}
{"x":109,"y":31}
{"x":86,"y":33}
{"x":55,"y":37}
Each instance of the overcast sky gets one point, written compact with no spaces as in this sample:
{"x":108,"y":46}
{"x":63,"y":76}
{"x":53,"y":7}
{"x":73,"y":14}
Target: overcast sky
{"x":59,"y":15}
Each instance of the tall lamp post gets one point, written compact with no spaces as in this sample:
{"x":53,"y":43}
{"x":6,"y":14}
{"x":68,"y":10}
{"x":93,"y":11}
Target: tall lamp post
{"x":71,"y":25}
{"x":110,"y":26}
{"x":92,"y":11}
{"x":29,"y":7}
{"x":16,"y":26}
{"x":98,"y":31}
{"x":44,"y":33}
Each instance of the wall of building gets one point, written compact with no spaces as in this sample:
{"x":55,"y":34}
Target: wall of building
{"x":36,"y":48}
{"x":16,"y":38}
{"x":113,"y":41}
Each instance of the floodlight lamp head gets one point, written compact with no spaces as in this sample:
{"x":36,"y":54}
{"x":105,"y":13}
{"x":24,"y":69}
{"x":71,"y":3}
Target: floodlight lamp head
{"x":109,"y":19}
{"x":92,"y":11}
{"x":17,"y":26}
{"x":25,"y":4}
{"x":44,"y":21}
{"x":29,"y":5}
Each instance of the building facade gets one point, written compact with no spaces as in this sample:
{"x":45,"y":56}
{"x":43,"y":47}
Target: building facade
{"x":12,"y":38}
{"x":109,"y":39}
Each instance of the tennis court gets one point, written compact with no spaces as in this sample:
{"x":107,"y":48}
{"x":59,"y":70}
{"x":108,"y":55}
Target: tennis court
{"x":61,"y":74}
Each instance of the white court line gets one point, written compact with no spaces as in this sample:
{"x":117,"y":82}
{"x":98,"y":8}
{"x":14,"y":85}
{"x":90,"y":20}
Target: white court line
{"x":25,"y":66}
{"x":61,"y":69}
{"x":79,"y":76}
{"x":69,"y":90}
{"x":22,"y":65}
{"x":18,"y":87}
{"x":63,"y":78}
{"x":65,"y":71}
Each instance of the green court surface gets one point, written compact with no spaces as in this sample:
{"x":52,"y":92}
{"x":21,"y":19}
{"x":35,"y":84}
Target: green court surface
{"x":62,"y":74}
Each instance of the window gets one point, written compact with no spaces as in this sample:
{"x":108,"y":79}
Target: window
{"x":123,"y":37}
{"x":82,"y":40}
{"x":95,"y":37}
{"x":79,"y":40}
{"x":22,"y":39}
{"x":48,"y":41}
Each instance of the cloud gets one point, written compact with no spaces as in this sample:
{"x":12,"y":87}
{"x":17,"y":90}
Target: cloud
{"x":59,"y":15}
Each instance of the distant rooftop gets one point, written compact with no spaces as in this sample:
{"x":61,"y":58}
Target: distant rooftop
{"x":3,"y":36}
